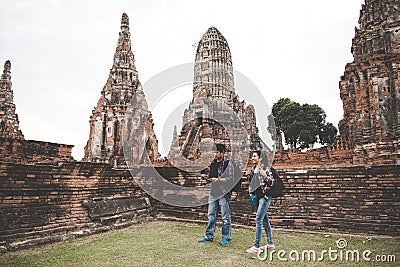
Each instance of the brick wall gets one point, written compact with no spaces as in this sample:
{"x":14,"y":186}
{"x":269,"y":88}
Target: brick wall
{"x":352,"y":200}
{"x":340,"y":154}
{"x":317,"y":158}
{"x":45,"y":203}
{"x":28,"y":151}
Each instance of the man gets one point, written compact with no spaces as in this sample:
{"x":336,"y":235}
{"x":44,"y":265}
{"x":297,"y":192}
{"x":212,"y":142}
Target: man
{"x":221,"y":171}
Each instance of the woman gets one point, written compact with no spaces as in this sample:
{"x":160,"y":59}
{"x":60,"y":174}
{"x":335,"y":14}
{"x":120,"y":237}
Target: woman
{"x":261,"y":179}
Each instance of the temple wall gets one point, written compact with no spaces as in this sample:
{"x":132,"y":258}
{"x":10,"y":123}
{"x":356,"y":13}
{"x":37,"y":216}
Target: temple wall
{"x":353,"y":200}
{"x":324,"y":157}
{"x":45,"y":203}
{"x":28,"y":151}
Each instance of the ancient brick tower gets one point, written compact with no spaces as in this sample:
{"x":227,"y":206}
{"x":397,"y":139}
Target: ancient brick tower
{"x":107,"y":122}
{"x":213,"y":96}
{"x":213,"y":72}
{"x":370,"y":86}
{"x":9,"y":124}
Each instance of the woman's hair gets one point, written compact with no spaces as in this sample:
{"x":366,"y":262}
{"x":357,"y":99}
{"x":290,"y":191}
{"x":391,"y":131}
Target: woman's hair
{"x":258,"y":152}
{"x":262,"y":155}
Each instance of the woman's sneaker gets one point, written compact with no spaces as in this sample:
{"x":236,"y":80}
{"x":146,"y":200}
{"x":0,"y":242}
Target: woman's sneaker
{"x":253,"y":250}
{"x":268,"y":246}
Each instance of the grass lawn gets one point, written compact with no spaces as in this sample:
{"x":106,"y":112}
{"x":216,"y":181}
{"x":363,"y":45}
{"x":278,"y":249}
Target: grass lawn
{"x":161,"y":243}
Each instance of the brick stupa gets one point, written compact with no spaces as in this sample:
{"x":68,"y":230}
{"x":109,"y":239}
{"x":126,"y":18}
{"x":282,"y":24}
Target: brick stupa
{"x":370,"y":86}
{"x":107,"y":122}
{"x":208,"y":115}
{"x":9,"y":123}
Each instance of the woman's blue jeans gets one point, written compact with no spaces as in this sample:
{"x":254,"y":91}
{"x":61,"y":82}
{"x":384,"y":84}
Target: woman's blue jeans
{"x":262,"y":220}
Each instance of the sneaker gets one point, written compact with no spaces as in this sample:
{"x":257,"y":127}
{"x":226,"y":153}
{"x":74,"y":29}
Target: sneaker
{"x":253,"y":250}
{"x":268,"y":246}
{"x":224,"y":241}
{"x":204,"y":239}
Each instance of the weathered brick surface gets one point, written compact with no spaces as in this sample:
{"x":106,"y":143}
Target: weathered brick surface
{"x":370,"y":94}
{"x":370,"y":86}
{"x":352,"y":200}
{"x":9,"y":123}
{"x":121,"y":112}
{"x":325,"y":157}
{"x":28,"y":151}
{"x":215,"y":114}
{"x":44,"y":201}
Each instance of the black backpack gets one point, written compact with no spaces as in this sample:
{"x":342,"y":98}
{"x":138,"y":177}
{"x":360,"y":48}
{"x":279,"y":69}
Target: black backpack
{"x":278,"y":188}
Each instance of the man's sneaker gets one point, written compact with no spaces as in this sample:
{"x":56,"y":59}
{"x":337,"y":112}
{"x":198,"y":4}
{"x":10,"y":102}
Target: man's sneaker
{"x":268,"y":246}
{"x":253,"y":250}
{"x":204,"y":239}
{"x":224,"y":242}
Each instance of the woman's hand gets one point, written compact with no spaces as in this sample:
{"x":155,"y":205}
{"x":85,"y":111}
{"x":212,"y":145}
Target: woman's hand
{"x":263,"y":173}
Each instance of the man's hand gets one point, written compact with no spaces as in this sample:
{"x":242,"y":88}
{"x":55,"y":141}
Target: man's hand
{"x":213,"y":179}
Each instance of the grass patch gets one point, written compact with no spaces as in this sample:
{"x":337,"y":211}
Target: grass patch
{"x":161,"y":243}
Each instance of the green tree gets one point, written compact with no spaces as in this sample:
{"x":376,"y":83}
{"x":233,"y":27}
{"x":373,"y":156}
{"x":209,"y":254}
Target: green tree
{"x":313,"y":119}
{"x":289,"y":116}
{"x":327,"y":134}
{"x":302,"y":125}
{"x":272,"y":127}
{"x":276,"y":110}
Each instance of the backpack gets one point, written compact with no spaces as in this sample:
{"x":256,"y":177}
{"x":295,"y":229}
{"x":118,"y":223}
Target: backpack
{"x":277,"y":189}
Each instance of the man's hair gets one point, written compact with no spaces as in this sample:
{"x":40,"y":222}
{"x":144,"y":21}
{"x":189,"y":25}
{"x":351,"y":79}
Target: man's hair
{"x":220,"y":147}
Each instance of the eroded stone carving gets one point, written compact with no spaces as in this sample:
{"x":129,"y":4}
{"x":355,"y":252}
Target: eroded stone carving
{"x":9,"y":123}
{"x":215,"y":114}
{"x":370,"y":86}
{"x":107,"y":122}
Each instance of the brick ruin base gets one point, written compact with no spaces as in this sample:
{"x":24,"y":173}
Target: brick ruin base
{"x":29,"y":151}
{"x":353,"y":200}
{"x":46,"y":203}
{"x":325,"y":157}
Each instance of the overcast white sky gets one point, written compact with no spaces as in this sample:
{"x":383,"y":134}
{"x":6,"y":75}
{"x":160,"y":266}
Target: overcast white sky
{"x":61,"y":52}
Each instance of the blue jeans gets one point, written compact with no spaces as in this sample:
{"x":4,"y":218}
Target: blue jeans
{"x":262,"y":220}
{"x":212,"y":217}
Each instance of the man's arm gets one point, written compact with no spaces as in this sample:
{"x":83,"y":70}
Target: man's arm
{"x":228,"y":173}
